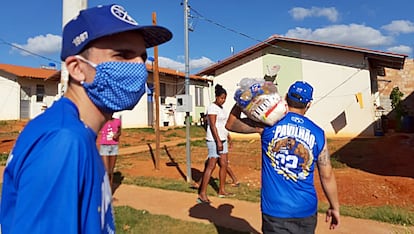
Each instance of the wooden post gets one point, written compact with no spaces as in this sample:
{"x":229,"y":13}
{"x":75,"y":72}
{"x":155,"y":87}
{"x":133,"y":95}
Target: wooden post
{"x":156,"y":100}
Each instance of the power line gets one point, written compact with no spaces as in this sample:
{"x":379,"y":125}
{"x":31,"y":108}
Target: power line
{"x":299,"y":54}
{"x":225,"y":27}
{"x":28,"y":51}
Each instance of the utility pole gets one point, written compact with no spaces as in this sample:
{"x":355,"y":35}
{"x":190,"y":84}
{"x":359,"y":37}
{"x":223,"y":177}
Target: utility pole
{"x":155,"y":75}
{"x":187,"y":90}
{"x":70,"y":8}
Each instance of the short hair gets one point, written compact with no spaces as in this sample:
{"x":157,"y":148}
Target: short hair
{"x":295,"y":104}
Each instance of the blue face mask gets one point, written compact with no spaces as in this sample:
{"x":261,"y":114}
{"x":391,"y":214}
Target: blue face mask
{"x":117,"y":85}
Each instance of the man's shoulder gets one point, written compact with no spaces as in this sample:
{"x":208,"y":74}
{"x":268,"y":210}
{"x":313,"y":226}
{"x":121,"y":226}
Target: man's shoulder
{"x":59,"y":118}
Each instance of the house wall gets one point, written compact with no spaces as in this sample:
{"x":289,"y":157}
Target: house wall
{"x":335,"y":106}
{"x":404,"y":80}
{"x":9,"y":103}
{"x":50,"y":95}
{"x":138,"y":117}
{"x":202,"y":109}
{"x":10,"y":88}
{"x":343,"y":103}
{"x":249,"y":67}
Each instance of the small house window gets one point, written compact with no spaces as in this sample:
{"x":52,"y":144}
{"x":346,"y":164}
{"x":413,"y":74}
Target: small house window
{"x":163,"y":92}
{"x":40,"y":93}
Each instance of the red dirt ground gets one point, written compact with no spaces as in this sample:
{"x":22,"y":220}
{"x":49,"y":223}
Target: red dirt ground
{"x":379,"y":172}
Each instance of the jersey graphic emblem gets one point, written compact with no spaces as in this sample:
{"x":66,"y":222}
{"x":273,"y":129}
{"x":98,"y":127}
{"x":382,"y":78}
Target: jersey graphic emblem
{"x":297,"y":120}
{"x":290,"y":157}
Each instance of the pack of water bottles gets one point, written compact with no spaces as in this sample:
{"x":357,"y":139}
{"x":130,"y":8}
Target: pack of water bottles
{"x":260,"y":100}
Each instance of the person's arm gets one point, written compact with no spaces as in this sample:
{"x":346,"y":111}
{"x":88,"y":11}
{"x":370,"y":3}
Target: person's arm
{"x":117,"y":134}
{"x":212,"y":119}
{"x":328,"y":182}
{"x":229,"y":141}
{"x":242,"y":125}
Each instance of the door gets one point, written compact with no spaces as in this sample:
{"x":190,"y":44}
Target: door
{"x":25,"y":96}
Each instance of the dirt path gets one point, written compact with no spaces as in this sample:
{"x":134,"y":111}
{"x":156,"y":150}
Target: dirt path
{"x":235,"y":214}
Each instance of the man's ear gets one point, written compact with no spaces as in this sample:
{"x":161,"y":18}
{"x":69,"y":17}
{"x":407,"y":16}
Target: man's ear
{"x":308,"y":105}
{"x":75,"y":70}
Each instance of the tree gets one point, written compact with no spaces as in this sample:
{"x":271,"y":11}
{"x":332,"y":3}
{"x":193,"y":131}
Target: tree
{"x":396,"y":102}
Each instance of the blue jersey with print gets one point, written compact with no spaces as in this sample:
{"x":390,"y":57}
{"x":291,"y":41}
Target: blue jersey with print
{"x":54,"y":180}
{"x":290,"y":149}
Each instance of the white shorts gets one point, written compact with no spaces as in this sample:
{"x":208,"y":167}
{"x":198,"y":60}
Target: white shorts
{"x":108,"y":150}
{"x":212,"y":149}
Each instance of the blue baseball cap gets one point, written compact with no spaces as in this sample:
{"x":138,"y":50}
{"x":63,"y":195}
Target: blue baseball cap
{"x":100,"y":21}
{"x":300,"y":91}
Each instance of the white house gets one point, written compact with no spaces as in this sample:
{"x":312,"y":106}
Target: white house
{"x":172,"y":83}
{"x":345,"y":79}
{"x":26,"y":91}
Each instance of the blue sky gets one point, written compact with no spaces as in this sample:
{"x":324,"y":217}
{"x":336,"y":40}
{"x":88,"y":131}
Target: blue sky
{"x":219,"y":27}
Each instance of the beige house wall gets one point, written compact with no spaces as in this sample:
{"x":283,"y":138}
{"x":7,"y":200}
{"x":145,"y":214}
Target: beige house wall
{"x":343,"y":99}
{"x":50,"y":95}
{"x":138,"y":117}
{"x":9,"y":103}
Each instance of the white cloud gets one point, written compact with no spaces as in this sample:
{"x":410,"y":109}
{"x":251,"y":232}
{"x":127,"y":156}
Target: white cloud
{"x":200,"y":63}
{"x":195,"y":64}
{"x":171,"y":64}
{"x":353,"y":34}
{"x":401,"y":49}
{"x":300,"y":13}
{"x":399,"y":26}
{"x":50,"y":44}
{"x":42,"y":45}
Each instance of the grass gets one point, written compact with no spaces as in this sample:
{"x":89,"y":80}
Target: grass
{"x":243,"y":192}
{"x":387,"y":214}
{"x":3,"y":158}
{"x":126,"y":222}
{"x":197,"y":143}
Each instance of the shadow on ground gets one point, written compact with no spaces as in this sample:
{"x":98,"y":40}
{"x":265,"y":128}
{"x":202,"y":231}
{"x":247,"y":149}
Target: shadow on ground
{"x":389,"y":155}
{"x":117,"y":181}
{"x":196,"y":174}
{"x":221,"y":218}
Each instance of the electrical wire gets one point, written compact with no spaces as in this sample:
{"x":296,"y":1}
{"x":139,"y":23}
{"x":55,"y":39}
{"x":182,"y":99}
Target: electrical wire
{"x":299,"y":54}
{"x":28,"y":51}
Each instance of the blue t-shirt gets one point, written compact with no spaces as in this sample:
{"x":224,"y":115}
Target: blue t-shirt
{"x":290,"y":149}
{"x":54,"y":180}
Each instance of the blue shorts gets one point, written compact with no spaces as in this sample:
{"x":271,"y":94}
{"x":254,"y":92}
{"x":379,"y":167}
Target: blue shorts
{"x":108,"y":150}
{"x":212,"y":149}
